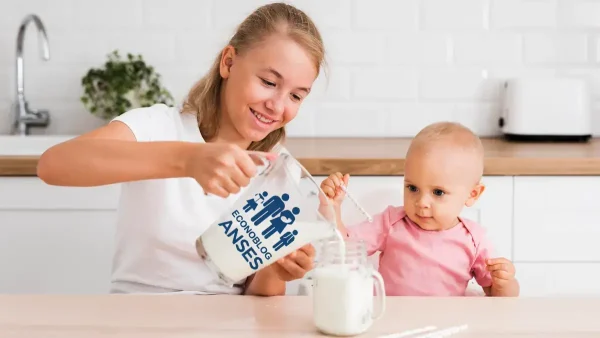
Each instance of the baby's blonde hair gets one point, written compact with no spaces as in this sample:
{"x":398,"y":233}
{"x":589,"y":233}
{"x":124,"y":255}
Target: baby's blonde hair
{"x":452,"y":134}
{"x":204,"y":97}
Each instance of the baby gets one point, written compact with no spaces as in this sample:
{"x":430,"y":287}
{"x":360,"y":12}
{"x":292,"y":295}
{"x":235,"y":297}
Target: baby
{"x":426,"y":248}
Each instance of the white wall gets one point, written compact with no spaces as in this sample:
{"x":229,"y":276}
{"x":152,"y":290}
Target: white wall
{"x":395,"y":64}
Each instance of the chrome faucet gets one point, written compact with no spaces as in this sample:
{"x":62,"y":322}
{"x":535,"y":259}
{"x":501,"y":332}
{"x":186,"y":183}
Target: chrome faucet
{"x":24,"y":117}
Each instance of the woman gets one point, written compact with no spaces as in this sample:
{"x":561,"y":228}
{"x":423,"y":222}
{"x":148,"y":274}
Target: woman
{"x":171,"y":160}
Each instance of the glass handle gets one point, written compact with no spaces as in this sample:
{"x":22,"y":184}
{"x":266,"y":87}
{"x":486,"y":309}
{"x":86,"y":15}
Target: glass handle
{"x":380,"y":293}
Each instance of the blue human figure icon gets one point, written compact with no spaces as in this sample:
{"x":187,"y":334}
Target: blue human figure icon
{"x":278,"y":224}
{"x":261,"y":196}
{"x":285,"y":240}
{"x":272,"y":207}
{"x":251,"y":204}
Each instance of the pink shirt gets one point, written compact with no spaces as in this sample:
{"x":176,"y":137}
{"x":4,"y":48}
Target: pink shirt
{"x":417,"y":262}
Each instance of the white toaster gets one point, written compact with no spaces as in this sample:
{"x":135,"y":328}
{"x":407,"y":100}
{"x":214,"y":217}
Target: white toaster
{"x":546,"y":109}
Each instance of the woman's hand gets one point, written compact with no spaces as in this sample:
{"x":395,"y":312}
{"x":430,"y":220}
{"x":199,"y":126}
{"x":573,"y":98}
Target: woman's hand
{"x":296,"y":264}
{"x":222,"y":169}
{"x":270,"y":281}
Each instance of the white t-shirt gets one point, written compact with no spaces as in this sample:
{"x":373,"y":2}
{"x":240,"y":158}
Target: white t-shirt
{"x":159,"y":220}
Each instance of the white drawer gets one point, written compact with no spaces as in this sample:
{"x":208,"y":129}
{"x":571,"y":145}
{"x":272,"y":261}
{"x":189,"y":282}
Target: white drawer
{"x":558,"y":279}
{"x":31,"y":193}
{"x":56,"y":251}
{"x":557,"y":219}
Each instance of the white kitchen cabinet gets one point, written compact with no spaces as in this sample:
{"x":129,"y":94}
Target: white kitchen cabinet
{"x":548,"y":279}
{"x":556,"y":232}
{"x":56,"y":251}
{"x":31,"y":193}
{"x":557,"y":219}
{"x":60,"y":240}
{"x":55,"y":239}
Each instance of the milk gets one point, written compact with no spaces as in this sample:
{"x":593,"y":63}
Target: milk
{"x":342,"y":245}
{"x":342,"y":299}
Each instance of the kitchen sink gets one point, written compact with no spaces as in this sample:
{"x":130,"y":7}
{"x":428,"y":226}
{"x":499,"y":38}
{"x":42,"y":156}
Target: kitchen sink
{"x":30,"y":145}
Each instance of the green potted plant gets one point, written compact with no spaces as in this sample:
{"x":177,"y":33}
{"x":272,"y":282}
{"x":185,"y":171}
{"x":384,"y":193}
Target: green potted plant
{"x":121,"y":85}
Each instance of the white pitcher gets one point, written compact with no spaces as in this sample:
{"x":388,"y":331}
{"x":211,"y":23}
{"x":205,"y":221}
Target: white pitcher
{"x":278,"y":213}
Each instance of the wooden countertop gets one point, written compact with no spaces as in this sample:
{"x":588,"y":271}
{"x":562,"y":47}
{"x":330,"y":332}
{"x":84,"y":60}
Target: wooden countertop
{"x":379,"y":156}
{"x":183,"y":316}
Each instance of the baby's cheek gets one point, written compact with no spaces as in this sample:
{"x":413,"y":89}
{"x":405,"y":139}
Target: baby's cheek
{"x":447,"y":213}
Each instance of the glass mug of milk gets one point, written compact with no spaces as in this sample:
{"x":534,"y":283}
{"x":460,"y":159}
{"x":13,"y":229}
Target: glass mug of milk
{"x":343,"y":285}
{"x":279,"y":212}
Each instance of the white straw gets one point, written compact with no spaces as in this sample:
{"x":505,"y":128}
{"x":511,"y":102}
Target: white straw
{"x":445,"y":332}
{"x":428,"y":332}
{"x":356,"y":203}
{"x":409,"y":332}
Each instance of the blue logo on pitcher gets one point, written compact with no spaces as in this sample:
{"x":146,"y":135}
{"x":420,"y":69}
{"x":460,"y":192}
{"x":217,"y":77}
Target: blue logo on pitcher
{"x":271,"y":207}
{"x":264,"y":207}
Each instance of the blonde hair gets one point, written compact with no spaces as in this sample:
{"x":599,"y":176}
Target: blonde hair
{"x":205,"y":96}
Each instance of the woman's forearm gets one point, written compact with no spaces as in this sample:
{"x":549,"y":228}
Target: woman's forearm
{"x":94,"y":162}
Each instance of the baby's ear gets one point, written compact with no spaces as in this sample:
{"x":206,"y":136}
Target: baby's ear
{"x":475,"y":194}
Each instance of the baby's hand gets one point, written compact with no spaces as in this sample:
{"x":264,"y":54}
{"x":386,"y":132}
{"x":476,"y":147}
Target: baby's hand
{"x":331,"y":187}
{"x":503,"y":272}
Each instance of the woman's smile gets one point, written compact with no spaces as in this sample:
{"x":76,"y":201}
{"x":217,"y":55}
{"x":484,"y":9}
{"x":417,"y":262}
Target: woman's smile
{"x":262,"y":118}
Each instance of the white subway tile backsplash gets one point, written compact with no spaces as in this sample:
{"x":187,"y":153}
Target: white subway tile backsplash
{"x":158,"y":48}
{"x":555,"y":48}
{"x":354,"y":48}
{"x":454,"y":15}
{"x":406,"y":119}
{"x":359,"y":119}
{"x":179,"y":80}
{"x":487,"y":49}
{"x":228,"y":14}
{"x":73,"y":48}
{"x":5,"y":85}
{"x":330,"y":14}
{"x":391,"y":83}
{"x":596,"y":120}
{"x":180,"y":14}
{"x":334,"y":83}
{"x":199,"y":49}
{"x":56,"y":14}
{"x":580,"y":13}
{"x":501,"y":74}
{"x":591,"y":75}
{"x":523,"y":13}
{"x":46,"y":82}
{"x":393,"y":15}
{"x":394,"y":65}
{"x":304,"y":123}
{"x":67,"y":118}
{"x":418,"y":49}
{"x":7,"y":51}
{"x":106,"y":15}
{"x":6,"y":115}
{"x":481,"y":117}
{"x":457,"y":84}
